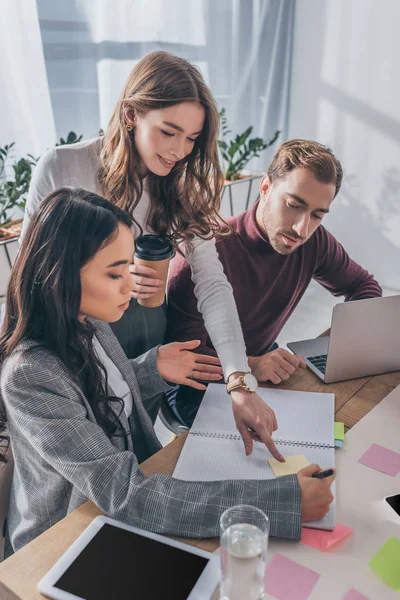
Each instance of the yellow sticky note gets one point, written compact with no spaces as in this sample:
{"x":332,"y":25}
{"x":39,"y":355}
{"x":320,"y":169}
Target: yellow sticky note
{"x":339,"y":431}
{"x":292,"y":465}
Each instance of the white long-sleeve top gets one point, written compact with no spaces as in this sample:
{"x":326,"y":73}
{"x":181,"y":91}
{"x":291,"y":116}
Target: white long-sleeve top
{"x":77,"y":165}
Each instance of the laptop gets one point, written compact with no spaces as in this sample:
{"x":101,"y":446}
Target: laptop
{"x":364,"y":340}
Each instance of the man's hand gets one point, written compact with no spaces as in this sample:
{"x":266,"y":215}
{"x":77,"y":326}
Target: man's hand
{"x":276,"y":366}
{"x":255,"y":420}
{"x":316,"y":495}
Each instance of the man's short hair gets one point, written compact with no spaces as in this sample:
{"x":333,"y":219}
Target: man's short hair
{"x":305,"y":154}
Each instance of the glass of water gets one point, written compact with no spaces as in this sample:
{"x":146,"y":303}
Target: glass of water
{"x":244,"y":540}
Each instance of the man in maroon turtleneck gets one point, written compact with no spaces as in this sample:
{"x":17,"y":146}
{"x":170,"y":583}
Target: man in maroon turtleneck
{"x":276,"y":248}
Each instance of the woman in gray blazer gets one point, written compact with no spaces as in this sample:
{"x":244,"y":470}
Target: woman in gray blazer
{"x":75,"y":405}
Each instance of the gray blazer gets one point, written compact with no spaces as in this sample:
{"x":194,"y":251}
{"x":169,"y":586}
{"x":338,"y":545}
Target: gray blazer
{"x":63,"y":458}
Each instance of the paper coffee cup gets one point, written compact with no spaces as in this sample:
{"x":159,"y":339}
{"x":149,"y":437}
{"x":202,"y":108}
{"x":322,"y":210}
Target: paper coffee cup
{"x":154,"y":251}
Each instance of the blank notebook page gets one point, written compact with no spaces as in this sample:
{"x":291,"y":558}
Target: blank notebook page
{"x":301,"y":416}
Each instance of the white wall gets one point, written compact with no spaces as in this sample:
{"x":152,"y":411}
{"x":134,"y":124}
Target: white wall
{"x":345,"y":92}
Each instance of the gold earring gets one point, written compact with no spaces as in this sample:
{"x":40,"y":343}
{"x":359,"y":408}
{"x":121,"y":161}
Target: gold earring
{"x":128,"y":126}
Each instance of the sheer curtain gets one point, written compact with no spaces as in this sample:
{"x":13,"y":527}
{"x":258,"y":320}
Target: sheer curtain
{"x":243,"y":48}
{"x":26,"y":114}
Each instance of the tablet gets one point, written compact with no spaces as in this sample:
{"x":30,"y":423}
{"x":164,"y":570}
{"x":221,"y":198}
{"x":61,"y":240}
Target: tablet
{"x":394,"y":502}
{"x":113,"y":560}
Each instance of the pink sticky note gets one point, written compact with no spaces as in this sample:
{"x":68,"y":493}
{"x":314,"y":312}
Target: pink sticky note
{"x":354,"y":595}
{"x":322,"y":540}
{"x":381,"y":459}
{"x":286,"y":579}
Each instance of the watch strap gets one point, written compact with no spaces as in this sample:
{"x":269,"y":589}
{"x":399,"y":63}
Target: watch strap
{"x":243,"y":382}
{"x":235,"y":383}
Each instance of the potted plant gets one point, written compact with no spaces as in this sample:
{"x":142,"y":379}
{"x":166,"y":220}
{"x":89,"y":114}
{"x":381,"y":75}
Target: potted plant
{"x":13,"y":191}
{"x":239,"y":192}
{"x":72,"y":138}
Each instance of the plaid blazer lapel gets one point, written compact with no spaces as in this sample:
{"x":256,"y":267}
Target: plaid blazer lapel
{"x":113,"y":349}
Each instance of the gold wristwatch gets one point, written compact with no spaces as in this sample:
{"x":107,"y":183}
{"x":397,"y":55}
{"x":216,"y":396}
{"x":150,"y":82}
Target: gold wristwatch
{"x":247,"y":381}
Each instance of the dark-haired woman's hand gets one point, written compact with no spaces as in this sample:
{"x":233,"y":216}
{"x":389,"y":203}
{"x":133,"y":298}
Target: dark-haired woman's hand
{"x":146,"y":282}
{"x":177,"y":364}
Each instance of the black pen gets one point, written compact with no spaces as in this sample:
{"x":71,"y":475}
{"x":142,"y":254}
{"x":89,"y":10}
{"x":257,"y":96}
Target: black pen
{"x":323,"y":474}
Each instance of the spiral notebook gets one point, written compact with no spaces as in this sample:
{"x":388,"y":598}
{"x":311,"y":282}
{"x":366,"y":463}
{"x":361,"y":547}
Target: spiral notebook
{"x":214,"y":448}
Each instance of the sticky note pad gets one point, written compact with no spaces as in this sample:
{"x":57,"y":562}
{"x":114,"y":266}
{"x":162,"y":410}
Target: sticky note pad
{"x":339,"y":431}
{"x":292,"y":465}
{"x":338,"y":444}
{"x":354,"y":595}
{"x":286,"y":579}
{"x":386,"y":563}
{"x":381,"y":459}
{"x":322,"y":540}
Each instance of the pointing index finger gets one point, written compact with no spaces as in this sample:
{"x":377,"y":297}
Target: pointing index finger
{"x":269,"y":442}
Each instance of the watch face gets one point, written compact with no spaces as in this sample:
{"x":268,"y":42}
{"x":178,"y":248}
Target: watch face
{"x":250,"y":382}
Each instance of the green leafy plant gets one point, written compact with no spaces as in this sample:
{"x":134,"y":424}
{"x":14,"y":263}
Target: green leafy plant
{"x":237,"y":152}
{"x":72,"y":138}
{"x":14,"y":190}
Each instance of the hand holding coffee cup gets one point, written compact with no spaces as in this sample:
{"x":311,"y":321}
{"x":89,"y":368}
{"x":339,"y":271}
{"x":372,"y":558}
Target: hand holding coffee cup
{"x":150,"y":269}
{"x":146,"y":282}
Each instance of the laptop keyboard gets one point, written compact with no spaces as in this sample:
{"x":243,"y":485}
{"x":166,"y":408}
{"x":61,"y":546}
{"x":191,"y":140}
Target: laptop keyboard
{"x":319,"y":362}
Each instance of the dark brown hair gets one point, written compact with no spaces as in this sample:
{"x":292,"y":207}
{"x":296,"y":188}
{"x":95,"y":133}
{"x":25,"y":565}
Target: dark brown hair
{"x":306,"y":154}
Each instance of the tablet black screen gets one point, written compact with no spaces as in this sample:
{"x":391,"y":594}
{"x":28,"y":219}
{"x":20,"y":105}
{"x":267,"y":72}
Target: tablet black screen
{"x":394,"y":502}
{"x":121,"y":564}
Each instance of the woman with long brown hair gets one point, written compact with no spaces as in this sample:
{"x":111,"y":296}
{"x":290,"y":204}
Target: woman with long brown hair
{"x":159,"y":161}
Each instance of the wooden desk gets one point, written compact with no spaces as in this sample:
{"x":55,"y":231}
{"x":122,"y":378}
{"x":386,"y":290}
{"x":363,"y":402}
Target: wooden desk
{"x":20,"y":573}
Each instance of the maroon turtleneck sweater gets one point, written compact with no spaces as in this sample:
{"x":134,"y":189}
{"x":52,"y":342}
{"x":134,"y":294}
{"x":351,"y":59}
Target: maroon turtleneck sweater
{"x":267,"y":285}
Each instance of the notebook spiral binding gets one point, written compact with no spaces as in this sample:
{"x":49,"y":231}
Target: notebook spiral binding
{"x":236,"y":436}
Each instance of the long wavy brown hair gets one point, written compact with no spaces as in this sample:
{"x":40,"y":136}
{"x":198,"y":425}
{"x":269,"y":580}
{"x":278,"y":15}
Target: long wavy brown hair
{"x":186,"y":202}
